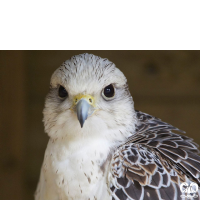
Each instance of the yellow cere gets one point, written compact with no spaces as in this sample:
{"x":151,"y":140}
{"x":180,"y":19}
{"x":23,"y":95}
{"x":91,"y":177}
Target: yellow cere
{"x":88,"y":98}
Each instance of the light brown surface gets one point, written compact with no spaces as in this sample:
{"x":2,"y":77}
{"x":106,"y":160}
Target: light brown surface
{"x":165,"y":84}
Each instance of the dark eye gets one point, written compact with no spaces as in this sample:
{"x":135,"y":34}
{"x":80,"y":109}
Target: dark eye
{"x":62,"y":92}
{"x":108,"y":92}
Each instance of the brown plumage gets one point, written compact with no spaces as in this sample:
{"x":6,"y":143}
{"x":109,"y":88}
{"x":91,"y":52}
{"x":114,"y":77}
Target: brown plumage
{"x":154,"y":162}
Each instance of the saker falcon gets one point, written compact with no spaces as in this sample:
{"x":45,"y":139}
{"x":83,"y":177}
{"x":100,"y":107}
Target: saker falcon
{"x":101,"y":148}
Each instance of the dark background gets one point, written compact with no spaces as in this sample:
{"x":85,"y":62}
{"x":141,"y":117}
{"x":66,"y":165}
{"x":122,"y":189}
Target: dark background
{"x":165,"y":84}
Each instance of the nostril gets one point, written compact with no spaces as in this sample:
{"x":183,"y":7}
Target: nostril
{"x":90,"y":100}
{"x":76,"y":100}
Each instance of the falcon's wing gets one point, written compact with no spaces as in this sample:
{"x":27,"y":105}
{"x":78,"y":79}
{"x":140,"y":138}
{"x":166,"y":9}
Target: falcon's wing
{"x":154,"y":162}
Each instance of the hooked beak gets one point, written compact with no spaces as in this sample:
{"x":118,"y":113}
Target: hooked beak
{"x":84,"y":107}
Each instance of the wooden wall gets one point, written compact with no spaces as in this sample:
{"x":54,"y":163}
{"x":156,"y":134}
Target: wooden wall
{"x":165,"y":84}
{"x":12,"y":124}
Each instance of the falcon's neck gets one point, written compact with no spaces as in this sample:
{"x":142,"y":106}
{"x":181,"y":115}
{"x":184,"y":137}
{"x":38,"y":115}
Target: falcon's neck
{"x":97,"y":146}
{"x":82,"y":164}
{"x":81,"y":157}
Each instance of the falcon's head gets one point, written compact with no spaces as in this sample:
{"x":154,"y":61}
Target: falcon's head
{"x":88,"y":96}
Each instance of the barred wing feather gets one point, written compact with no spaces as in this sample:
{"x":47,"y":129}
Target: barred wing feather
{"x":153,"y":163}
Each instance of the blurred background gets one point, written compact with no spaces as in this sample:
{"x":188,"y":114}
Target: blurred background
{"x":165,"y":84}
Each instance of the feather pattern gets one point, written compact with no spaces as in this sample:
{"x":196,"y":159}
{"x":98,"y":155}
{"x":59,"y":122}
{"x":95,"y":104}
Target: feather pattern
{"x":119,"y":153}
{"x":154,"y":162}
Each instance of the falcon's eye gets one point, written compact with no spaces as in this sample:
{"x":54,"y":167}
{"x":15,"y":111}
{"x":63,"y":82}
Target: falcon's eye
{"x":62,"y":92}
{"x":108,"y":92}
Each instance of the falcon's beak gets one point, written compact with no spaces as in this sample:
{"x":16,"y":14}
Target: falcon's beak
{"x":84,"y":107}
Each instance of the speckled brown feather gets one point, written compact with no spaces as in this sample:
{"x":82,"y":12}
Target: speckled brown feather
{"x":154,"y":162}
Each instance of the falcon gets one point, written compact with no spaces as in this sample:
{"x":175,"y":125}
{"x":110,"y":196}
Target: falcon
{"x":101,"y":148}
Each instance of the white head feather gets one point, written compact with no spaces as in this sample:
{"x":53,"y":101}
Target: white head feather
{"x":89,"y":74}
